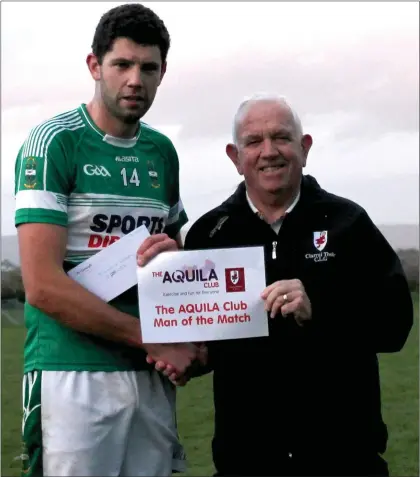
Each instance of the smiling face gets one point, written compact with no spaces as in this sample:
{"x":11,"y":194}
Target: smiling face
{"x":128,"y":79}
{"x":270,"y":152}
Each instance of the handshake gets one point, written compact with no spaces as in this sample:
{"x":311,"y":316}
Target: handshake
{"x":178,"y":361}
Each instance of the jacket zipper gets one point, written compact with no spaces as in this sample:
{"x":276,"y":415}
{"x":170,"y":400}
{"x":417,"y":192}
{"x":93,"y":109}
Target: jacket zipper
{"x":274,"y":252}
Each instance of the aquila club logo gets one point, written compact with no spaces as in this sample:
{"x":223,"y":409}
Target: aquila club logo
{"x":235,"y":279}
{"x":206,"y":274}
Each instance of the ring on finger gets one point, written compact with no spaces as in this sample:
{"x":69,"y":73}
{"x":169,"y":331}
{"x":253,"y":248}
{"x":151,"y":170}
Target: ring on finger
{"x":285,"y":297}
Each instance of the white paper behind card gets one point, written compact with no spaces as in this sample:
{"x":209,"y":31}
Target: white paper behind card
{"x":112,"y":271}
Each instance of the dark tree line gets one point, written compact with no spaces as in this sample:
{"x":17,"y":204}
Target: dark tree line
{"x":11,"y":282}
{"x":410,"y":262}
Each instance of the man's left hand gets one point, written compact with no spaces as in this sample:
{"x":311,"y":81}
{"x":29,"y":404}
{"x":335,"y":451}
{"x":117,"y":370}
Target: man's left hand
{"x":154,"y":245}
{"x":288,"y":297}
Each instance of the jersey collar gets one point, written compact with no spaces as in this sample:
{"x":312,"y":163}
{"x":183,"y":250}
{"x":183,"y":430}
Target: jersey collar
{"x":114,"y":141}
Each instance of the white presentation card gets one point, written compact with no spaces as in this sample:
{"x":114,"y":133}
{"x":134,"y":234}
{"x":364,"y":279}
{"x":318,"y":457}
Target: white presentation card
{"x":203,"y":295}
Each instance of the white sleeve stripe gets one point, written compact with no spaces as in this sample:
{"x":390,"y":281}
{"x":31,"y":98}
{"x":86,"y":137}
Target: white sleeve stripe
{"x":20,"y":171}
{"x":44,"y":179}
{"x":40,"y":199}
{"x":44,"y":140}
{"x":48,"y":145}
{"x":173,"y":219}
{"x":34,"y":145}
{"x":174,"y":212}
{"x":42,"y":148}
{"x":176,"y":209}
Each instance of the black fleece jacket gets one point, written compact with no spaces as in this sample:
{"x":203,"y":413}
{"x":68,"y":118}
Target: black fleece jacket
{"x":316,"y":388}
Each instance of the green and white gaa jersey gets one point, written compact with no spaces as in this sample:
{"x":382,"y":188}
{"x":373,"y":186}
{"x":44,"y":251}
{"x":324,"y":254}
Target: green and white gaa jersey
{"x":70,"y":173}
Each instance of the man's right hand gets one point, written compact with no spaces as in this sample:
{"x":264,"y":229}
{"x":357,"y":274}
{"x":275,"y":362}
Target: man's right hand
{"x":169,"y":371}
{"x":178,"y":357}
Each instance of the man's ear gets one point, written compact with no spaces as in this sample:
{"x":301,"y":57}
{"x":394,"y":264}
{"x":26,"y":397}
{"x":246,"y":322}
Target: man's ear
{"x":232,"y":152}
{"x":163,"y":71}
{"x":94,"y":66}
{"x":306,"y":144}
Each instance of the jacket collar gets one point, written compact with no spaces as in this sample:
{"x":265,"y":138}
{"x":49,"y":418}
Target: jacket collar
{"x":308,"y":214}
{"x":310,"y":193}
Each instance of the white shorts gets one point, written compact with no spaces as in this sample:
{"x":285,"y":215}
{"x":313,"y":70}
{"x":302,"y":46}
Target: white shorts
{"x":109,"y":424}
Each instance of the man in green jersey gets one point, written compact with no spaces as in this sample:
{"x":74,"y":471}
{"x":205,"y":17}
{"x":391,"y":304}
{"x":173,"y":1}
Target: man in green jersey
{"x":85,"y":178}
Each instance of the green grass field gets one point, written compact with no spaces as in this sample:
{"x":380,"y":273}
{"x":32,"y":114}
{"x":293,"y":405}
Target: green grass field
{"x":400,"y":378}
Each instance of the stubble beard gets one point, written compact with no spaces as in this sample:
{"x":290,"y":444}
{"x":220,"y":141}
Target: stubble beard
{"x":112,"y":105}
{"x":122,"y":115}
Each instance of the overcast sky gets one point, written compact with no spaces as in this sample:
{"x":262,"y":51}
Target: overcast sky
{"x":350,"y":69}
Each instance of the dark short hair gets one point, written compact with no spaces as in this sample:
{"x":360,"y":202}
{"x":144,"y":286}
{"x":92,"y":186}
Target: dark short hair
{"x":135,"y":22}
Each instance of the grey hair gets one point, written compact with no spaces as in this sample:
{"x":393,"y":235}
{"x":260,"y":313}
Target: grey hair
{"x":264,"y":97}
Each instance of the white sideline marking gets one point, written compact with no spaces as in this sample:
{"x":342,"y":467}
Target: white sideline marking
{"x":9,"y":317}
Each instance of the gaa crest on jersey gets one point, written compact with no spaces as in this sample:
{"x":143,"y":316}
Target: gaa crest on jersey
{"x":320,"y":240}
{"x":30,"y":173}
{"x":153,"y":175}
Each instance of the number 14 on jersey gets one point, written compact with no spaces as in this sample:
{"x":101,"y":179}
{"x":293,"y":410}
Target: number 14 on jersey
{"x":134,"y":179}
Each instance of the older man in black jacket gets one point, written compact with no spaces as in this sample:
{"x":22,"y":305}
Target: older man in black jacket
{"x":306,"y":399}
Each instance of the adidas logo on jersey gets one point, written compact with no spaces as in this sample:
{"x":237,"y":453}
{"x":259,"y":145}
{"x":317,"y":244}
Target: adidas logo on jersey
{"x":90,"y":170}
